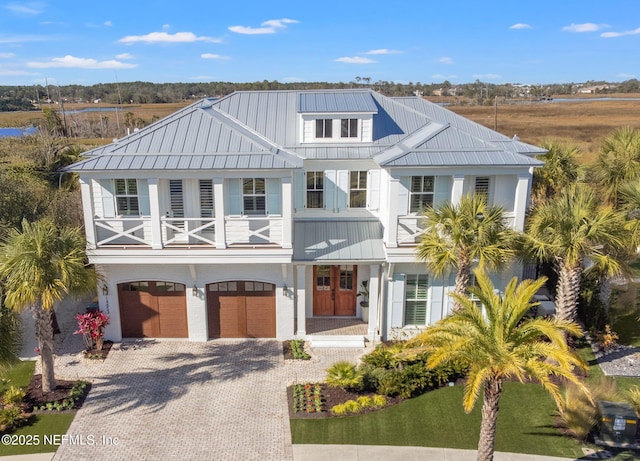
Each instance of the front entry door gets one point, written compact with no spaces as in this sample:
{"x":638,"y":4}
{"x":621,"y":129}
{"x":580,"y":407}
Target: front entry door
{"x":334,"y":290}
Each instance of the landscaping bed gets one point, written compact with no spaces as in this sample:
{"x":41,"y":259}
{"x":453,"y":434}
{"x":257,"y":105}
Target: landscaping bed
{"x":67,"y":396}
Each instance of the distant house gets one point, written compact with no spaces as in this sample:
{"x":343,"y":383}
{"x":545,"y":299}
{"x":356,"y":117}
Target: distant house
{"x":262,"y":214}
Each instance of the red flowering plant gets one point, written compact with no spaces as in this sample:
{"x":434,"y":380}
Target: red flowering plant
{"x":91,"y":327}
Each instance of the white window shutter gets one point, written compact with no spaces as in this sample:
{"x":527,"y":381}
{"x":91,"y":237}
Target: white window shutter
{"x":143,"y":197}
{"x":274,"y":196}
{"x":342,"y":190}
{"x":403,"y":196}
{"x":330,"y":188}
{"x":233,"y":194}
{"x":443,"y":190}
{"x":108,"y":202}
{"x":397,"y":301}
{"x":373,"y":190}
{"x":299,"y":186}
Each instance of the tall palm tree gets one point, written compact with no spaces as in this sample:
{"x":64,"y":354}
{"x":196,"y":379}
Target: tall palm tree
{"x":565,"y":230}
{"x":618,"y":162}
{"x":40,"y":265}
{"x":560,"y":169}
{"x":501,"y":344}
{"x":458,"y":235}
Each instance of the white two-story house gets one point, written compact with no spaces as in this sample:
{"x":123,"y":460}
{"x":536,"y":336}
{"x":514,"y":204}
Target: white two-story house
{"x":260,"y":214}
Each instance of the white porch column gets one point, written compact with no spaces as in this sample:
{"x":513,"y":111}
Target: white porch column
{"x":87,"y":208}
{"x":521,"y":201}
{"x":391,"y":229}
{"x":154,"y":204}
{"x":300,"y":294}
{"x":457,"y":189}
{"x":287,"y":212}
{"x":218,"y":199}
{"x":374,"y":300}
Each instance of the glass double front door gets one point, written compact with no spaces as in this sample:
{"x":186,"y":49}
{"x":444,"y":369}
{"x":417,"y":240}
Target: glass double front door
{"x":334,"y":290}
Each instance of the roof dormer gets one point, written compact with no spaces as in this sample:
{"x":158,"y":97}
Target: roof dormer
{"x":336,"y":117}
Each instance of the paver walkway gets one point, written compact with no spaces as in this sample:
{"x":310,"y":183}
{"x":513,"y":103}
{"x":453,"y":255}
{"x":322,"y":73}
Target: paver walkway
{"x":177,"y":400}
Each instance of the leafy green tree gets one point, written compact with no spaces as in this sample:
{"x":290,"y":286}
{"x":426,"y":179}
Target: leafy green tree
{"x":618,"y":162}
{"x":559,"y":171}
{"x":41,"y":265}
{"x":565,"y":230}
{"x":500,"y":344}
{"x":461,"y":234}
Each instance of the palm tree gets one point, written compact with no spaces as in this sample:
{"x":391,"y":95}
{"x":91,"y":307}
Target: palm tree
{"x":565,"y":230}
{"x":618,"y":162}
{"x":41,"y":265}
{"x":560,"y":169}
{"x":501,"y":344}
{"x":460,"y":234}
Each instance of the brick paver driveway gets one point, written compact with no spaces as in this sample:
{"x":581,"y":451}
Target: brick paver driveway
{"x":197,"y":401}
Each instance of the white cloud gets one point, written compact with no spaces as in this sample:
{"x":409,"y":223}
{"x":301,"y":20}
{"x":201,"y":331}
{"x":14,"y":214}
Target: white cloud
{"x":213,"y":56}
{"x":620,"y":34}
{"x":166,"y":26}
{"x":14,"y":73}
{"x":24,"y":38}
{"x":355,"y":60}
{"x":26,"y":8}
{"x":108,"y":24}
{"x":293,"y":79}
{"x":586,"y":27}
{"x":163,"y":37}
{"x":6,"y":55}
{"x":80,"y":63}
{"x":383,"y":51}
{"x":520,"y":26}
{"x":270,"y":26}
{"x":445,"y":60}
{"x":124,"y":56}
{"x":444,"y":77}
{"x":487,"y":76}
{"x":627,"y":76}
{"x":202,"y":78}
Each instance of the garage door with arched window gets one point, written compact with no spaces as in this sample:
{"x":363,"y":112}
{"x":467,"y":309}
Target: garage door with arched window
{"x":151,"y":309}
{"x":241,"y":309}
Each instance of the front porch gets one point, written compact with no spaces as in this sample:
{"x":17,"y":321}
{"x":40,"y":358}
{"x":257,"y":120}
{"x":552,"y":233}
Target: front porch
{"x":336,"y":332}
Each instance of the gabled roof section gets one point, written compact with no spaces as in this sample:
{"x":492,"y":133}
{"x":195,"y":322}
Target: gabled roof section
{"x":198,"y":136}
{"x":357,"y":101}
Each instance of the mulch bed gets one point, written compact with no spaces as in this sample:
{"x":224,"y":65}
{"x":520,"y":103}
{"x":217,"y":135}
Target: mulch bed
{"x":35,"y":397}
{"x":332,"y":396}
{"x":99,"y":355}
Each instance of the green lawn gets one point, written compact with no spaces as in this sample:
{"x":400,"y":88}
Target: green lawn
{"x":436,"y":419}
{"x":39,"y":425}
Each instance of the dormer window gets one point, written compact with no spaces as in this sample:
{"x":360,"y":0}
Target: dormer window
{"x":324,"y":128}
{"x":349,"y":128}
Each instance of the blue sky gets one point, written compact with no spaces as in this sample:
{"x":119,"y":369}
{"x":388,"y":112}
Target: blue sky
{"x":87,"y":42}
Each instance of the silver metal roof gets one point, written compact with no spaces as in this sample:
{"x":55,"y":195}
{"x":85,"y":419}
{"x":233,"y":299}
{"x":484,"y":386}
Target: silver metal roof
{"x":336,"y":101}
{"x":260,"y":129}
{"x":338,"y":241}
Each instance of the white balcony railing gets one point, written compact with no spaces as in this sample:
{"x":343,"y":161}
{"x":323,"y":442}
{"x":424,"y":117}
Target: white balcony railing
{"x":188,"y":231}
{"x":138,"y":231}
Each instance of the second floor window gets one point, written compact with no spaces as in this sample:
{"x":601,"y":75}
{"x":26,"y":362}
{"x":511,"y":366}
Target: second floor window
{"x":349,"y":128}
{"x":421,"y":193}
{"x":254,"y":196}
{"x":324,"y":128}
{"x":126,"y":194}
{"x":357,"y":189}
{"x":206,"y":198}
{"x":315,"y":189}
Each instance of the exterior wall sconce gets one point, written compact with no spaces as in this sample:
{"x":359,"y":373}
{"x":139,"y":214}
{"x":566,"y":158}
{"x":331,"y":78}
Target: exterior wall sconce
{"x":105,"y":289}
{"x":285,"y":290}
{"x":194,"y":290}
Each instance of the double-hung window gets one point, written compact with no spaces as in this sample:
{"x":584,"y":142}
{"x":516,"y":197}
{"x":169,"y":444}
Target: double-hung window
{"x":357,"y":189}
{"x":315,"y":189}
{"x":349,"y":128}
{"x":254,"y":196}
{"x":324,"y":128}
{"x":416,"y":290}
{"x":126,"y":194}
{"x":421,"y":193}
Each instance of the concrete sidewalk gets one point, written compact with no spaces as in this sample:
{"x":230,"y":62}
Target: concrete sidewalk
{"x":388,"y":453}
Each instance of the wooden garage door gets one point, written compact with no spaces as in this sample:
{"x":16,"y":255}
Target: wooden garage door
{"x":239,"y":309}
{"x":153,"y":310}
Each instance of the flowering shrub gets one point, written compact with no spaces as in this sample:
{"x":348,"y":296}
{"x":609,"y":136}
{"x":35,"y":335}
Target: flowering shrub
{"x":91,"y":327}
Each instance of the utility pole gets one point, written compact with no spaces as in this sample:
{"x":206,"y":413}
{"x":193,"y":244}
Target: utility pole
{"x":495,"y":114}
